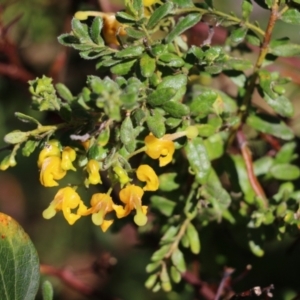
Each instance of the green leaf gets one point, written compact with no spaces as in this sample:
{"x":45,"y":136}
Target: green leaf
{"x":19,"y":264}
{"x":286,"y":153}
{"x":262,"y":165}
{"x":280,"y":130}
{"x":24,"y":118}
{"x":123,"y":68}
{"x":125,"y":18}
{"x":95,"y":31}
{"x":175,"y":274}
{"x":183,"y":24}
{"x":136,"y":34}
{"x":147,"y":65}
{"x":67,"y":39}
{"x":167,"y":182}
{"x":160,"y":96}
{"x":247,"y":8}
{"x":64,"y":92}
{"x":214,"y":145}
{"x":193,"y":237}
{"x":201,"y":106}
{"x":164,"y":205}
{"x":238,"y":35}
{"x":156,"y":124}
{"x":159,"y":14}
{"x":159,"y":254}
{"x":285,"y":172}
{"x":16,"y":137}
{"x":169,"y":235}
{"x":178,"y":260}
{"x":130,"y":52}
{"x":176,"y":109}
{"x":243,"y":178}
{"x":151,"y":281}
{"x":183,"y":3}
{"x":171,"y":60}
{"x":47,"y":290}
{"x":29,"y":147}
{"x":152,"y":266}
{"x":127,"y":135}
{"x":283,"y":47}
{"x":80,"y":30}
{"x":198,"y":159}
{"x":291,"y":16}
{"x":256,"y":249}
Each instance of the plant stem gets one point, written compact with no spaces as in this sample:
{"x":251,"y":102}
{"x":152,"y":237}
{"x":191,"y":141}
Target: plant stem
{"x":261,"y":57}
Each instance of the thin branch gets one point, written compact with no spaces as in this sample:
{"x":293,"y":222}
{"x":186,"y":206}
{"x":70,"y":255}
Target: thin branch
{"x":246,"y":153}
{"x":226,"y":276}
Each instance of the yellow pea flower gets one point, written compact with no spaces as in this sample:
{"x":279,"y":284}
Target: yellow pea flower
{"x":67,"y":157}
{"x":65,"y":200}
{"x":111,"y":27}
{"x":121,"y":174}
{"x":147,"y":174}
{"x":101,"y":205}
{"x":51,"y":149}
{"x":148,"y":3}
{"x":93,"y":168}
{"x":162,"y":149}
{"x":50,"y":171}
{"x":131,"y":196}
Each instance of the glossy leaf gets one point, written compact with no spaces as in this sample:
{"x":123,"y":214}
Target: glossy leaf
{"x":238,"y":35}
{"x":164,"y":205}
{"x":95,"y":31}
{"x":159,"y":14}
{"x":285,"y":172}
{"x":247,"y":8}
{"x":183,"y":24}
{"x":198,"y":159}
{"x":127,"y":134}
{"x":193,"y":237}
{"x":291,"y":16}
{"x":147,"y":65}
{"x":286,"y":153}
{"x":175,"y":274}
{"x":176,"y":109}
{"x":160,"y":96}
{"x":19,"y":264}
{"x":178,"y":260}
{"x":280,"y":130}
{"x":156,"y":124}
{"x":123,"y":68}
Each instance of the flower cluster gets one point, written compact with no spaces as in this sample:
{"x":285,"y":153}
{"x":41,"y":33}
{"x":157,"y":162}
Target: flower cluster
{"x":54,"y":161}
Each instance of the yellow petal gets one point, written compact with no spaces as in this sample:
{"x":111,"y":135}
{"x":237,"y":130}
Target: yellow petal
{"x":146,"y":174}
{"x":120,"y":211}
{"x":49,"y":212}
{"x":106,"y":224}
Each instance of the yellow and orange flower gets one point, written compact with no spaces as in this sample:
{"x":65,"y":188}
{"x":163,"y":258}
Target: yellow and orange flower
{"x":162,"y":149}
{"x":51,"y":149}
{"x":93,"y":168}
{"x":101,"y":204}
{"x":146,"y":174}
{"x":65,"y":200}
{"x":67,"y":157}
{"x":131,"y":196}
{"x":51,"y":170}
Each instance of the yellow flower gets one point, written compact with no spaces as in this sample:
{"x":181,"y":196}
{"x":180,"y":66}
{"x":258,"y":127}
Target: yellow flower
{"x":131,"y":196}
{"x":121,"y":174}
{"x":93,"y":168}
{"x":66,"y":199}
{"x":101,"y":205}
{"x":50,"y":171}
{"x":147,"y":174}
{"x":159,"y":148}
{"x":67,"y":157}
{"x":149,"y":2}
{"x":111,"y":27}
{"x":51,"y":149}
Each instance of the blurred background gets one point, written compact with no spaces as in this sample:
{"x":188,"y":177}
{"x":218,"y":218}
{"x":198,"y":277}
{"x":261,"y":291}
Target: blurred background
{"x":113,"y":264}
